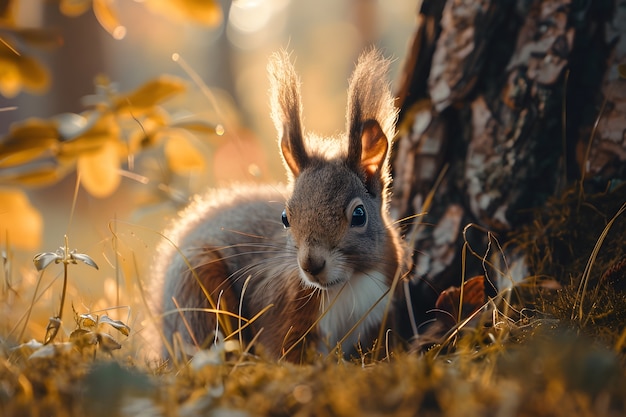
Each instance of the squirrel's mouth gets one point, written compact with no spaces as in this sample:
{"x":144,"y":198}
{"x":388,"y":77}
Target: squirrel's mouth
{"x":332,"y":284}
{"x":320,"y":283}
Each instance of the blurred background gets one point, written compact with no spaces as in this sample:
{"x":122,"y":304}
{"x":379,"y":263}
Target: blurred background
{"x":221,"y":58}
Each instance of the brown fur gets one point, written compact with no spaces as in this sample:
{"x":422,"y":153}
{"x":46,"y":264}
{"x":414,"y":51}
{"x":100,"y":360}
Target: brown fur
{"x":339,"y":243}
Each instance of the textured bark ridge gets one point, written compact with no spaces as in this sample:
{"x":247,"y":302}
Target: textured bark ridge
{"x":498,"y":105}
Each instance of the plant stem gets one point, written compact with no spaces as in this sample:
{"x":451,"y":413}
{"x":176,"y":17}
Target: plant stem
{"x":66,"y":258}
{"x":63,"y":290}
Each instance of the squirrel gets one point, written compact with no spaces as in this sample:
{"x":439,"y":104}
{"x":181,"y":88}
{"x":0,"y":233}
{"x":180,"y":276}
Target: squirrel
{"x":314,"y":261}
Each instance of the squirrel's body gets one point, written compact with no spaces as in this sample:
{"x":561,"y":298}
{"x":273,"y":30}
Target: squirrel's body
{"x":321,"y":252}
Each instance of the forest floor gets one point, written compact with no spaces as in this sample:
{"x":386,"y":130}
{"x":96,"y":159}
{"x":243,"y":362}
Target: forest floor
{"x":552,"y":345}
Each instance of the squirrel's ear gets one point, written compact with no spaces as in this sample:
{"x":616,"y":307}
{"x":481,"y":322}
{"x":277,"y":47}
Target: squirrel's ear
{"x":374,"y":146}
{"x":286,"y":111}
{"x":367,"y":149}
{"x":370,"y":119}
{"x":293,"y":151}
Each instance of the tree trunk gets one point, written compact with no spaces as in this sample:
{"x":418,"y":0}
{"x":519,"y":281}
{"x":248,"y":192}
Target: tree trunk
{"x":498,"y":100}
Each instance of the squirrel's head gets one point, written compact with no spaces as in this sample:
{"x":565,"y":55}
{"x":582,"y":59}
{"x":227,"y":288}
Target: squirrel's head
{"x":337,"y":214}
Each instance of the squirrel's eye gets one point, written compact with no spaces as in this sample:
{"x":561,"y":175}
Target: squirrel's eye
{"x":358,"y":216}
{"x":285,"y":219}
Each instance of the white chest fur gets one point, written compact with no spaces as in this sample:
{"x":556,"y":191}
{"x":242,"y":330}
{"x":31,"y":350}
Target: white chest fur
{"x":351,"y":303}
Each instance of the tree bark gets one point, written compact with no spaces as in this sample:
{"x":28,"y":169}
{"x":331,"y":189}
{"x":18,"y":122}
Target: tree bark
{"x":498,"y":100}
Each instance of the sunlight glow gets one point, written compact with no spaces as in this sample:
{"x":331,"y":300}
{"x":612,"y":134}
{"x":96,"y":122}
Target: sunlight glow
{"x":250,"y":16}
{"x":249,"y":21}
{"x":119,"y":33}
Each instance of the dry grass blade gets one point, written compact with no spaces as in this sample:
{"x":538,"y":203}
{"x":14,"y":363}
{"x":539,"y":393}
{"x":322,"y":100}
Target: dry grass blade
{"x":578,"y":306}
{"x":315,"y":323}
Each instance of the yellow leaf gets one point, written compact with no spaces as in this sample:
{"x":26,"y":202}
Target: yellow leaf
{"x":18,"y":70}
{"x":39,"y":38}
{"x":37,"y":173}
{"x":27,"y":141}
{"x":34,"y":76}
{"x":23,"y":156}
{"x":33,"y":128}
{"x":107,"y":17}
{"x":150,"y":94}
{"x":100,"y":171}
{"x":621,"y":69}
{"x":205,"y":12}
{"x":182,"y":156}
{"x":74,"y":8}
{"x":210,"y":132}
{"x":40,"y":178}
{"x":103,"y":130}
{"x":8,"y":11}
{"x":19,"y":220}
{"x":145,"y":135}
{"x":199,"y":126}
{"x":10,"y":79}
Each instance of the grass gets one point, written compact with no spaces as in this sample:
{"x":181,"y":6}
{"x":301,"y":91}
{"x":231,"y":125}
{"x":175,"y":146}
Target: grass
{"x":552,"y":346}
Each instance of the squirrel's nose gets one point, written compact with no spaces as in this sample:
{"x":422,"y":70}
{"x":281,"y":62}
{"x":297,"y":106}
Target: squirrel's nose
{"x":313,"y":266}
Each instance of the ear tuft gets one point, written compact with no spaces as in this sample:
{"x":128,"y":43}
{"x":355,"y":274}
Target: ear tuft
{"x":371,"y":118}
{"x":369,"y":95}
{"x":286,"y":111}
